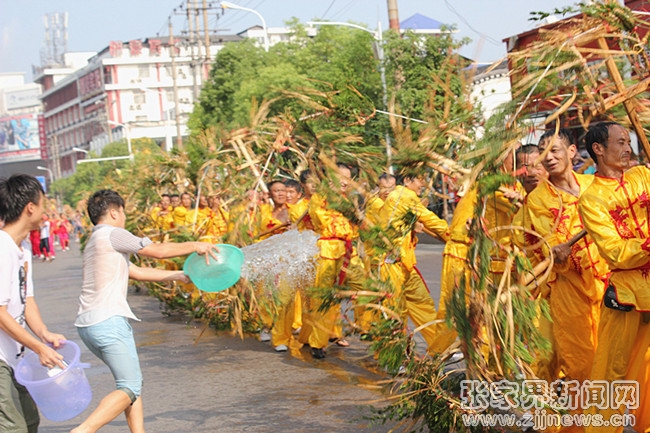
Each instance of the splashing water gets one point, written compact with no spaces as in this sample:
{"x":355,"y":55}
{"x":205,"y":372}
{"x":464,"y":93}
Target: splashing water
{"x":291,"y":254}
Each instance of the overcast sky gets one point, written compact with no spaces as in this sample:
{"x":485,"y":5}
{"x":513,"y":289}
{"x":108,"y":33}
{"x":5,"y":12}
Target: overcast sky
{"x":92,"y":24}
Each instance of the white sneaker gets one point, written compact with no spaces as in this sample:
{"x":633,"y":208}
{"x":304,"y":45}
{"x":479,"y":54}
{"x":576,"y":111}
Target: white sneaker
{"x":456,"y":357}
{"x":265,"y":335}
{"x":281,"y":348}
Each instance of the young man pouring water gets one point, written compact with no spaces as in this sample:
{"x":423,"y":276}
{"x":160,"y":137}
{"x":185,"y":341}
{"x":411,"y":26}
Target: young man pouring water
{"x":102,"y":320}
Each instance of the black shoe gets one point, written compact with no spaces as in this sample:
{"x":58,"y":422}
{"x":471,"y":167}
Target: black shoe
{"x":317,"y":353}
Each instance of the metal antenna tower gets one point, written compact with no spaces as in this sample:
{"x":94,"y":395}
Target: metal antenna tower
{"x":56,"y":39}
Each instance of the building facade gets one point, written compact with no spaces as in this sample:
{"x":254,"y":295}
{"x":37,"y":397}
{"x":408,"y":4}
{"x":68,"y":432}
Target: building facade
{"x":128,"y":90}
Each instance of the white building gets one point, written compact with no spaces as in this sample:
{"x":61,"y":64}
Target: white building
{"x":276,"y":35}
{"x":490,"y":86}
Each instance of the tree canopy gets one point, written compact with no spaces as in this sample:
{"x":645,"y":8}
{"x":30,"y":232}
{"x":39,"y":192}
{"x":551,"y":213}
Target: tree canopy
{"x":341,"y":61}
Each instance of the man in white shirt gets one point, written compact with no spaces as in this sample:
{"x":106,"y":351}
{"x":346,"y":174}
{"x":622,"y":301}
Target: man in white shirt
{"x":102,"y":320}
{"x":21,"y":208}
{"x":46,"y":248}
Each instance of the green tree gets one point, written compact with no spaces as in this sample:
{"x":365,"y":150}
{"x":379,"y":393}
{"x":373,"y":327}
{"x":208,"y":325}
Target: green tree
{"x":92,"y":176}
{"x":414,"y":61}
{"x":339,"y":69}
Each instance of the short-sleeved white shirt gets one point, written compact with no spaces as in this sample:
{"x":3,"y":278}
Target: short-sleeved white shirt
{"x":15,"y":287}
{"x":45,"y":229}
{"x":106,"y":274}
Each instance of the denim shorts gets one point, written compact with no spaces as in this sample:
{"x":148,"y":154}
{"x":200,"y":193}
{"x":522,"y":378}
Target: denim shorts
{"x":112,"y":341}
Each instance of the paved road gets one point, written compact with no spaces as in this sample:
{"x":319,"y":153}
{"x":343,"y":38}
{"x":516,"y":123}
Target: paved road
{"x":221,"y":383}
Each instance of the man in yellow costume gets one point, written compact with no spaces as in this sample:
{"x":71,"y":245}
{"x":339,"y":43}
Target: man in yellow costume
{"x":402,"y":209}
{"x":180,"y":211}
{"x":338,"y":264}
{"x":274,"y":220}
{"x":298,"y":195}
{"x":197,"y":218}
{"x":614,"y":210}
{"x":454,"y":266}
{"x":298,"y":210}
{"x":530,"y":173}
{"x":500,"y":209}
{"x":218,"y":218}
{"x":385,"y":185}
{"x":162,"y":214}
{"x":579,"y":273}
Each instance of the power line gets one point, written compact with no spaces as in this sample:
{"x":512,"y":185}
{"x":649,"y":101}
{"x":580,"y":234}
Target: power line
{"x":344,"y":9}
{"x":327,"y":10}
{"x":462,"y":18}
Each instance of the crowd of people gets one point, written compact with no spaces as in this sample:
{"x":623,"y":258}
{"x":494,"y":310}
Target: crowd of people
{"x":55,"y":229}
{"x":596,"y":227}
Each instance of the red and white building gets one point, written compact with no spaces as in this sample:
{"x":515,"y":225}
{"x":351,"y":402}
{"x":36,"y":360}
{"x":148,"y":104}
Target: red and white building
{"x":127,"y":90}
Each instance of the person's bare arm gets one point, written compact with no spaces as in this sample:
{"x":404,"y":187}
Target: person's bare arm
{"x":152,"y":274}
{"x":47,"y":356}
{"x":166,"y":250}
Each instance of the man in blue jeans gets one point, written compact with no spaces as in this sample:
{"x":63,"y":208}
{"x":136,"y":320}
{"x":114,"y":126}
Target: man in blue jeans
{"x":21,"y":209}
{"x":102,"y":319}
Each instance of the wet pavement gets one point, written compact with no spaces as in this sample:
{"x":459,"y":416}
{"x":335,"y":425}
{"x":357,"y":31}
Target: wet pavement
{"x":198,"y":381}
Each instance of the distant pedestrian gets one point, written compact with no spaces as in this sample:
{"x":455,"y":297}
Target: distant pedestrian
{"x":45,"y":246}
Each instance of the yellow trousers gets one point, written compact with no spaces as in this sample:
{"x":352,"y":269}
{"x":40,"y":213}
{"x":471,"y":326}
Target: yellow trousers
{"x":622,"y":354}
{"x":452,"y":270}
{"x":575,"y":330}
{"x":297,"y":312}
{"x":282,"y":331}
{"x":318,"y":327}
{"x":413,"y":298}
{"x":545,"y":364}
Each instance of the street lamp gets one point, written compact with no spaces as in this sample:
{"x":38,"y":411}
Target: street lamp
{"x":78,"y":149}
{"x":111,"y":158}
{"x":228,"y":5}
{"x":168,"y":135}
{"x":56,"y":194}
{"x":377,"y":35}
{"x":40,"y":167}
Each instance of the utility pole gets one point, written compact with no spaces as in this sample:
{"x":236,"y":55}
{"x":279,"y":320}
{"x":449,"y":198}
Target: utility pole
{"x":56,"y":161}
{"x":191,"y":33}
{"x":107,"y":113}
{"x":172,"y":54}
{"x":393,"y":15}
{"x":206,"y":32}
{"x":199,"y":51}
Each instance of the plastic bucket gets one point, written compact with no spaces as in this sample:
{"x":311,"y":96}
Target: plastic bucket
{"x":60,"y":396}
{"x":220,"y":274}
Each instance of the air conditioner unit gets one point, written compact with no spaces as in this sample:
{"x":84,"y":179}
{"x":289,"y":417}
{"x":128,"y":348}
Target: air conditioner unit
{"x":132,"y":108}
{"x":138,"y":107}
{"x":136,"y":80}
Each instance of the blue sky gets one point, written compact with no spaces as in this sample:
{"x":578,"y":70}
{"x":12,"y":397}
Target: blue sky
{"x":92,"y":24}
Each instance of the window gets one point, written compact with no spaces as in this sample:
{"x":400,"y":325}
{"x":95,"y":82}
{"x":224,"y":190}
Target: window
{"x":143,"y":71}
{"x":139,"y":98}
